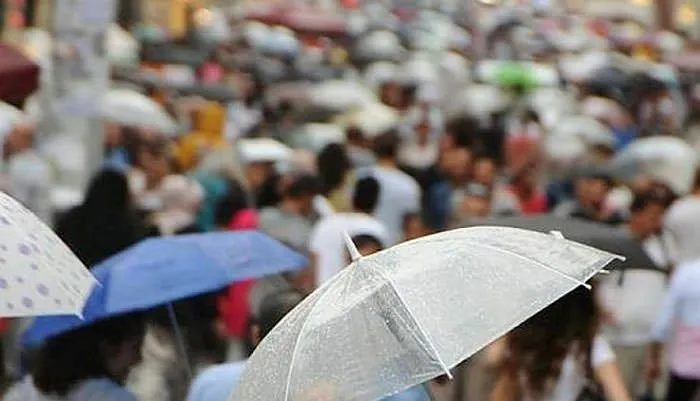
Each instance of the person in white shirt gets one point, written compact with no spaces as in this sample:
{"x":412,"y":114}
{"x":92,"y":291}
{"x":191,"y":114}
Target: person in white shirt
{"x":400,"y":193}
{"x":678,"y":326}
{"x":327,"y":240}
{"x":554,"y":355}
{"x":683,"y":224}
{"x":630,"y":314}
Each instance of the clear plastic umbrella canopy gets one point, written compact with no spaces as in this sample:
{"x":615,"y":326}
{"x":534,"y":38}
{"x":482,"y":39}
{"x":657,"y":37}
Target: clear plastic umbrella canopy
{"x":410,"y":313}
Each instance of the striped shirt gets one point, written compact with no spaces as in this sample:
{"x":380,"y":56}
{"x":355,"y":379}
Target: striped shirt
{"x":679,"y":321}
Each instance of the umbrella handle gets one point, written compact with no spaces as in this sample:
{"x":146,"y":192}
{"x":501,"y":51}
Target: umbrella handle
{"x":180,"y":340}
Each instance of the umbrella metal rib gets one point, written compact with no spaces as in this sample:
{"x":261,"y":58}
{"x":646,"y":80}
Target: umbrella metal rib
{"x":542,"y":265}
{"x":426,"y":338}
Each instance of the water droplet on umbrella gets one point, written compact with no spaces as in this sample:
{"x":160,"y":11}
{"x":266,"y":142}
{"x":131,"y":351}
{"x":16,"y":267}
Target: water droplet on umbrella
{"x":4,"y":220}
{"x":10,"y":305}
{"x":3,"y":283}
{"x":19,"y":280}
{"x":57,"y":301}
{"x":34,"y":266}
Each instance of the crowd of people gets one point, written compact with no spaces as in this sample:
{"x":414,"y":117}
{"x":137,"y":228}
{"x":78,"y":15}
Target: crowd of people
{"x":636,"y":334}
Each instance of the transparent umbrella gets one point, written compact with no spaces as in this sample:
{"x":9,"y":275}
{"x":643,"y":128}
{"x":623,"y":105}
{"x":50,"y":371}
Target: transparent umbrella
{"x":411,"y":313}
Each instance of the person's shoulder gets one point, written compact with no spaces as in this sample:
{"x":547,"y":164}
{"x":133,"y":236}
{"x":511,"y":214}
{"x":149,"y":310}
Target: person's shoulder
{"x":216,"y":379}
{"x":101,"y":390}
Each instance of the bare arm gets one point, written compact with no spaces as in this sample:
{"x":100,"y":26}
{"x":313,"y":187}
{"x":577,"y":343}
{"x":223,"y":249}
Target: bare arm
{"x":610,"y":379}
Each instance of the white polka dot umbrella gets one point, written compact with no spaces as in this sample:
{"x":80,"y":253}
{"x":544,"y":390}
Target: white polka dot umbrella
{"x":39,"y":275}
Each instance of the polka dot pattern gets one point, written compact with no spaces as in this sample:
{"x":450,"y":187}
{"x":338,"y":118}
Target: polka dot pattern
{"x":39,"y":275}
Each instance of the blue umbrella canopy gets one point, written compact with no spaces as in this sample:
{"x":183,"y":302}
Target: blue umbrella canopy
{"x":162,"y":270}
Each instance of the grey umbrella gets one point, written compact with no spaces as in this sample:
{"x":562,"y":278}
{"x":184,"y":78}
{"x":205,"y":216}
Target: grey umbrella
{"x":612,"y":239}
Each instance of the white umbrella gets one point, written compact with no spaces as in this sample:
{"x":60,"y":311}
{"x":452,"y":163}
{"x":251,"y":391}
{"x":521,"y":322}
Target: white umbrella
{"x":586,"y":129}
{"x":39,"y":275}
{"x":479,"y":101}
{"x":411,"y":313}
{"x":127,"y":107}
{"x":372,"y":120}
{"x":668,"y":159}
{"x":263,"y":150}
{"x":379,"y":73}
{"x":122,"y":47}
{"x":315,"y":136}
{"x":379,"y":45}
{"x":341,"y":95}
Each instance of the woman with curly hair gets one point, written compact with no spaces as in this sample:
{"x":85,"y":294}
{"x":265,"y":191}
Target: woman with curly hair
{"x":558,"y":355}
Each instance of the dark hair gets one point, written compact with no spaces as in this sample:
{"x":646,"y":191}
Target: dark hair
{"x":463,"y":131}
{"x":108,"y":192}
{"x":196,"y":318}
{"x":363,"y":240}
{"x":302,"y":185}
{"x":354,"y":134}
{"x":648,"y":198}
{"x":386,"y":145}
{"x":68,"y":359}
{"x":235,"y":200}
{"x":333,"y":165}
{"x":274,"y":308}
{"x":366,"y":195}
{"x":537,"y":348}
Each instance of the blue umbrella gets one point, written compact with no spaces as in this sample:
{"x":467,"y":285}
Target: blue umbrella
{"x":162,"y":270}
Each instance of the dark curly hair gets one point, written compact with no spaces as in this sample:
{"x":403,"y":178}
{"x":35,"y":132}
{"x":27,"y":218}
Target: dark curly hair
{"x":536,"y":350}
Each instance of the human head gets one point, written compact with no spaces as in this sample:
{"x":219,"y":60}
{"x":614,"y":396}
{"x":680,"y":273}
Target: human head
{"x":355,"y":136}
{"x":477,"y":201}
{"x":178,"y":192}
{"x":414,"y":227}
{"x":106,"y":349}
{"x":20,"y":138}
{"x":591,"y":188}
{"x":366,"y":195}
{"x":485,"y":170}
{"x":367,"y":244}
{"x":235,"y":201}
{"x":108,"y":192}
{"x":300,"y":192}
{"x":457,"y":164}
{"x":528,"y":175}
{"x":153,"y":159}
{"x":332,"y":164}
{"x":273,"y":309}
{"x":458,"y":133}
{"x":647,"y":213}
{"x":536,"y":350}
{"x":386,"y":145}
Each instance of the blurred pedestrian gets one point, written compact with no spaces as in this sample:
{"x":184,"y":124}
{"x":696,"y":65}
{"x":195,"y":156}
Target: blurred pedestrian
{"x":683,"y":224}
{"x":89,"y":363}
{"x":559,"y":355}
{"x":327,"y":243}
{"x":181,"y":198}
{"x":218,"y":382}
{"x":335,"y":172}
{"x":359,"y":148}
{"x":630,"y":317}
{"x":292,"y":220}
{"x":207,"y":135}
{"x":400,"y":194}
{"x":29,"y":176}
{"x":526,"y":187}
{"x":105,"y":223}
{"x":678,"y":330}
{"x":592,"y":187}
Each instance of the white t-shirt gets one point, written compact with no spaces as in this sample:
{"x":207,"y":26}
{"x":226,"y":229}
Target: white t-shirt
{"x":399,"y":195}
{"x":573,"y":376}
{"x":89,"y":390}
{"x":635,"y":315}
{"x":327,"y":240}
{"x":683,"y":225}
